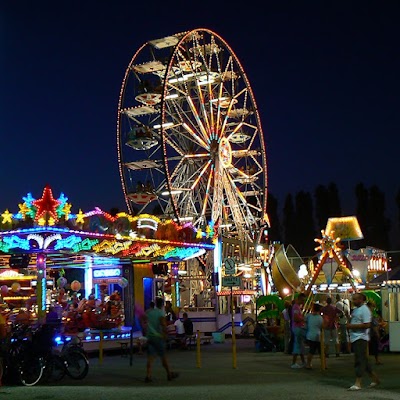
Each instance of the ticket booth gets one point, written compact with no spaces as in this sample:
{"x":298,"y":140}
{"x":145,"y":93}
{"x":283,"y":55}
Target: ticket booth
{"x":391,"y":312}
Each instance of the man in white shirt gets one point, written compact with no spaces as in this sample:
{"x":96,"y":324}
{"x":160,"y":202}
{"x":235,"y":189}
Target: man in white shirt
{"x":359,"y":336}
{"x":180,"y":332}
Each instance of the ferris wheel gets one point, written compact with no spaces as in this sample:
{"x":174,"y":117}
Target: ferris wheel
{"x":189,"y":137}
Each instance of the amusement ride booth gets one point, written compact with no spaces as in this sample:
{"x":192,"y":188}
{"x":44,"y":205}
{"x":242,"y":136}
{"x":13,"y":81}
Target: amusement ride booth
{"x":89,"y":266}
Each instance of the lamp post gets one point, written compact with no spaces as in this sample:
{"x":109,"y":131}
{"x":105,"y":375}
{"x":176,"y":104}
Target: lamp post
{"x":265,"y":281}
{"x":41,"y":286}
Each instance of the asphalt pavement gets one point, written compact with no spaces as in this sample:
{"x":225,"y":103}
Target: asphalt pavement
{"x":211,"y":375}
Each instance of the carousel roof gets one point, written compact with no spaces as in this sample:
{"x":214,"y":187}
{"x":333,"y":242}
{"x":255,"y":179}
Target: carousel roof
{"x":47,"y":225}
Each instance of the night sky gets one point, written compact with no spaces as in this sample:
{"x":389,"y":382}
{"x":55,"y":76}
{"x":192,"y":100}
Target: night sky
{"x":325,"y":75}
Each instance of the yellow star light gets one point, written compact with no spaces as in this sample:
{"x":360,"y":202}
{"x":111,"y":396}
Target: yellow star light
{"x":23,"y":209}
{"x":67,"y":210}
{"x":51,"y":221}
{"x":42,"y":221}
{"x":7,"y":217}
{"x":80,"y":217}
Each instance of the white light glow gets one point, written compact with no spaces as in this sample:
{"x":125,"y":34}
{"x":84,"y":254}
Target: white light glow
{"x":202,"y":83}
{"x":171,"y":192}
{"x":171,"y":96}
{"x":166,"y":125}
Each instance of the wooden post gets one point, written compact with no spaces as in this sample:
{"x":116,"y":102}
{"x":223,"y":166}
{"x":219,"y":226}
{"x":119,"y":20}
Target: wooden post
{"x":101,"y":348}
{"x":322,"y":350}
{"x":198,"y":353}
{"x":234,"y":360}
{"x":131,"y":347}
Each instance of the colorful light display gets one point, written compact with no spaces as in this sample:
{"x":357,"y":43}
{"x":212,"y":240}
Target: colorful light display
{"x":55,"y":228}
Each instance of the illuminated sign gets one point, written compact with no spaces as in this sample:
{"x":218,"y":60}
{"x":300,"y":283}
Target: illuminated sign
{"x":107,"y":273}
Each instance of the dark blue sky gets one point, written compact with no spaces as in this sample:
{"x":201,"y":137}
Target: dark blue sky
{"x":325,"y":76}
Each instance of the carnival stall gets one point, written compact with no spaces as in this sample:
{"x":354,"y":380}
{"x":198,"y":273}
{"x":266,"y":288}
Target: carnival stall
{"x":44,"y":240}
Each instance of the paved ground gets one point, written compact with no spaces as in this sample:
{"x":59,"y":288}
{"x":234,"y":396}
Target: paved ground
{"x":257,"y":376}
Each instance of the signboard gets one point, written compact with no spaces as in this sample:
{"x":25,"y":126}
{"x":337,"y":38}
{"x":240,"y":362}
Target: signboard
{"x":230,"y":266}
{"x":231,"y":281}
{"x":107,"y":273}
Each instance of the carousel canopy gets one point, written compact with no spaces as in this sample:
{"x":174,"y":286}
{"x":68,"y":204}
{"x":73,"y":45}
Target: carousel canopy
{"x":47,"y":225}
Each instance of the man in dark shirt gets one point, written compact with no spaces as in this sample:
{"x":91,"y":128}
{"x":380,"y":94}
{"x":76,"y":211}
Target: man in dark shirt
{"x":188,"y":325}
{"x":330,"y":314}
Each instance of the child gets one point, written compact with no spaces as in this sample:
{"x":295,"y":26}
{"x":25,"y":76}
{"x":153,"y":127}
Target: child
{"x":314,"y":326}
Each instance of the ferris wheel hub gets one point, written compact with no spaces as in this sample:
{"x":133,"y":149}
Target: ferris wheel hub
{"x":225,"y":153}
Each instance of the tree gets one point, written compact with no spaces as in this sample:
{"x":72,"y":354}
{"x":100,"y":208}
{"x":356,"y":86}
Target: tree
{"x":335,"y":208}
{"x":379,"y":224}
{"x":370,"y":211}
{"x":362,"y":212}
{"x":327,"y":204}
{"x":274,"y":232}
{"x":289,"y":221}
{"x":398,"y":209}
{"x":321,"y":206}
{"x":305,"y":232}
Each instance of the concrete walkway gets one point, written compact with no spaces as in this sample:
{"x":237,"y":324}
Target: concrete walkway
{"x":257,"y":376}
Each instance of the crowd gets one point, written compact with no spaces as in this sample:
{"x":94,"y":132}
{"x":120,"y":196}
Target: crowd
{"x":334,"y":328}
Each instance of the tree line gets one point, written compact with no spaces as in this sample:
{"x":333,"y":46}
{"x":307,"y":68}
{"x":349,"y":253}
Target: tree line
{"x":305,"y":214}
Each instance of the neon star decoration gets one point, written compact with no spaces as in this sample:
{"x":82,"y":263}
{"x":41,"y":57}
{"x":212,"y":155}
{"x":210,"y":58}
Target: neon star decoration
{"x":46,"y":205}
{"x":329,"y":247}
{"x":80,"y":217}
{"x":23,"y":209}
{"x":67,"y":210}
{"x":7,"y":217}
{"x":51,"y":221}
{"x":41,"y":222}
{"x":328,"y":243}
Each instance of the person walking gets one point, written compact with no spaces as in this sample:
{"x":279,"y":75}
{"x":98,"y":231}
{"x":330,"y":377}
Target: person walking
{"x":156,"y":333}
{"x":374,"y":335}
{"x":344,"y":318}
{"x":313,"y":334}
{"x":359,"y":336}
{"x":298,"y":326}
{"x":330,"y":315}
{"x":286,"y":326}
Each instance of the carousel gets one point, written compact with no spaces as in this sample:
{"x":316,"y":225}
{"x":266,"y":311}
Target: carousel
{"x":44,"y":242}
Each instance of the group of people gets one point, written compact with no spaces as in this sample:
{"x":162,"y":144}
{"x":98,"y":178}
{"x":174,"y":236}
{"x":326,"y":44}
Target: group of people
{"x":355,"y":330}
{"x":179,"y":330}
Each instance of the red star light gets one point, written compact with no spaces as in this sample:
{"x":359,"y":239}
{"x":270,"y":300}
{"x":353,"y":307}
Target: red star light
{"x":47,"y":204}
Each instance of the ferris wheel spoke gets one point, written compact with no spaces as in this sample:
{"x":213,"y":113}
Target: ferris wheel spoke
{"x":200,"y":175}
{"x":219,"y":109}
{"x":207,"y":194}
{"x":194,"y":137}
{"x":240,"y":204}
{"x":204,"y":111}
{"x":234,"y":208}
{"x":177,"y":169}
{"x":218,"y":194}
{"x":197,"y":118}
{"x":171,"y":142}
{"x":187,"y":177}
